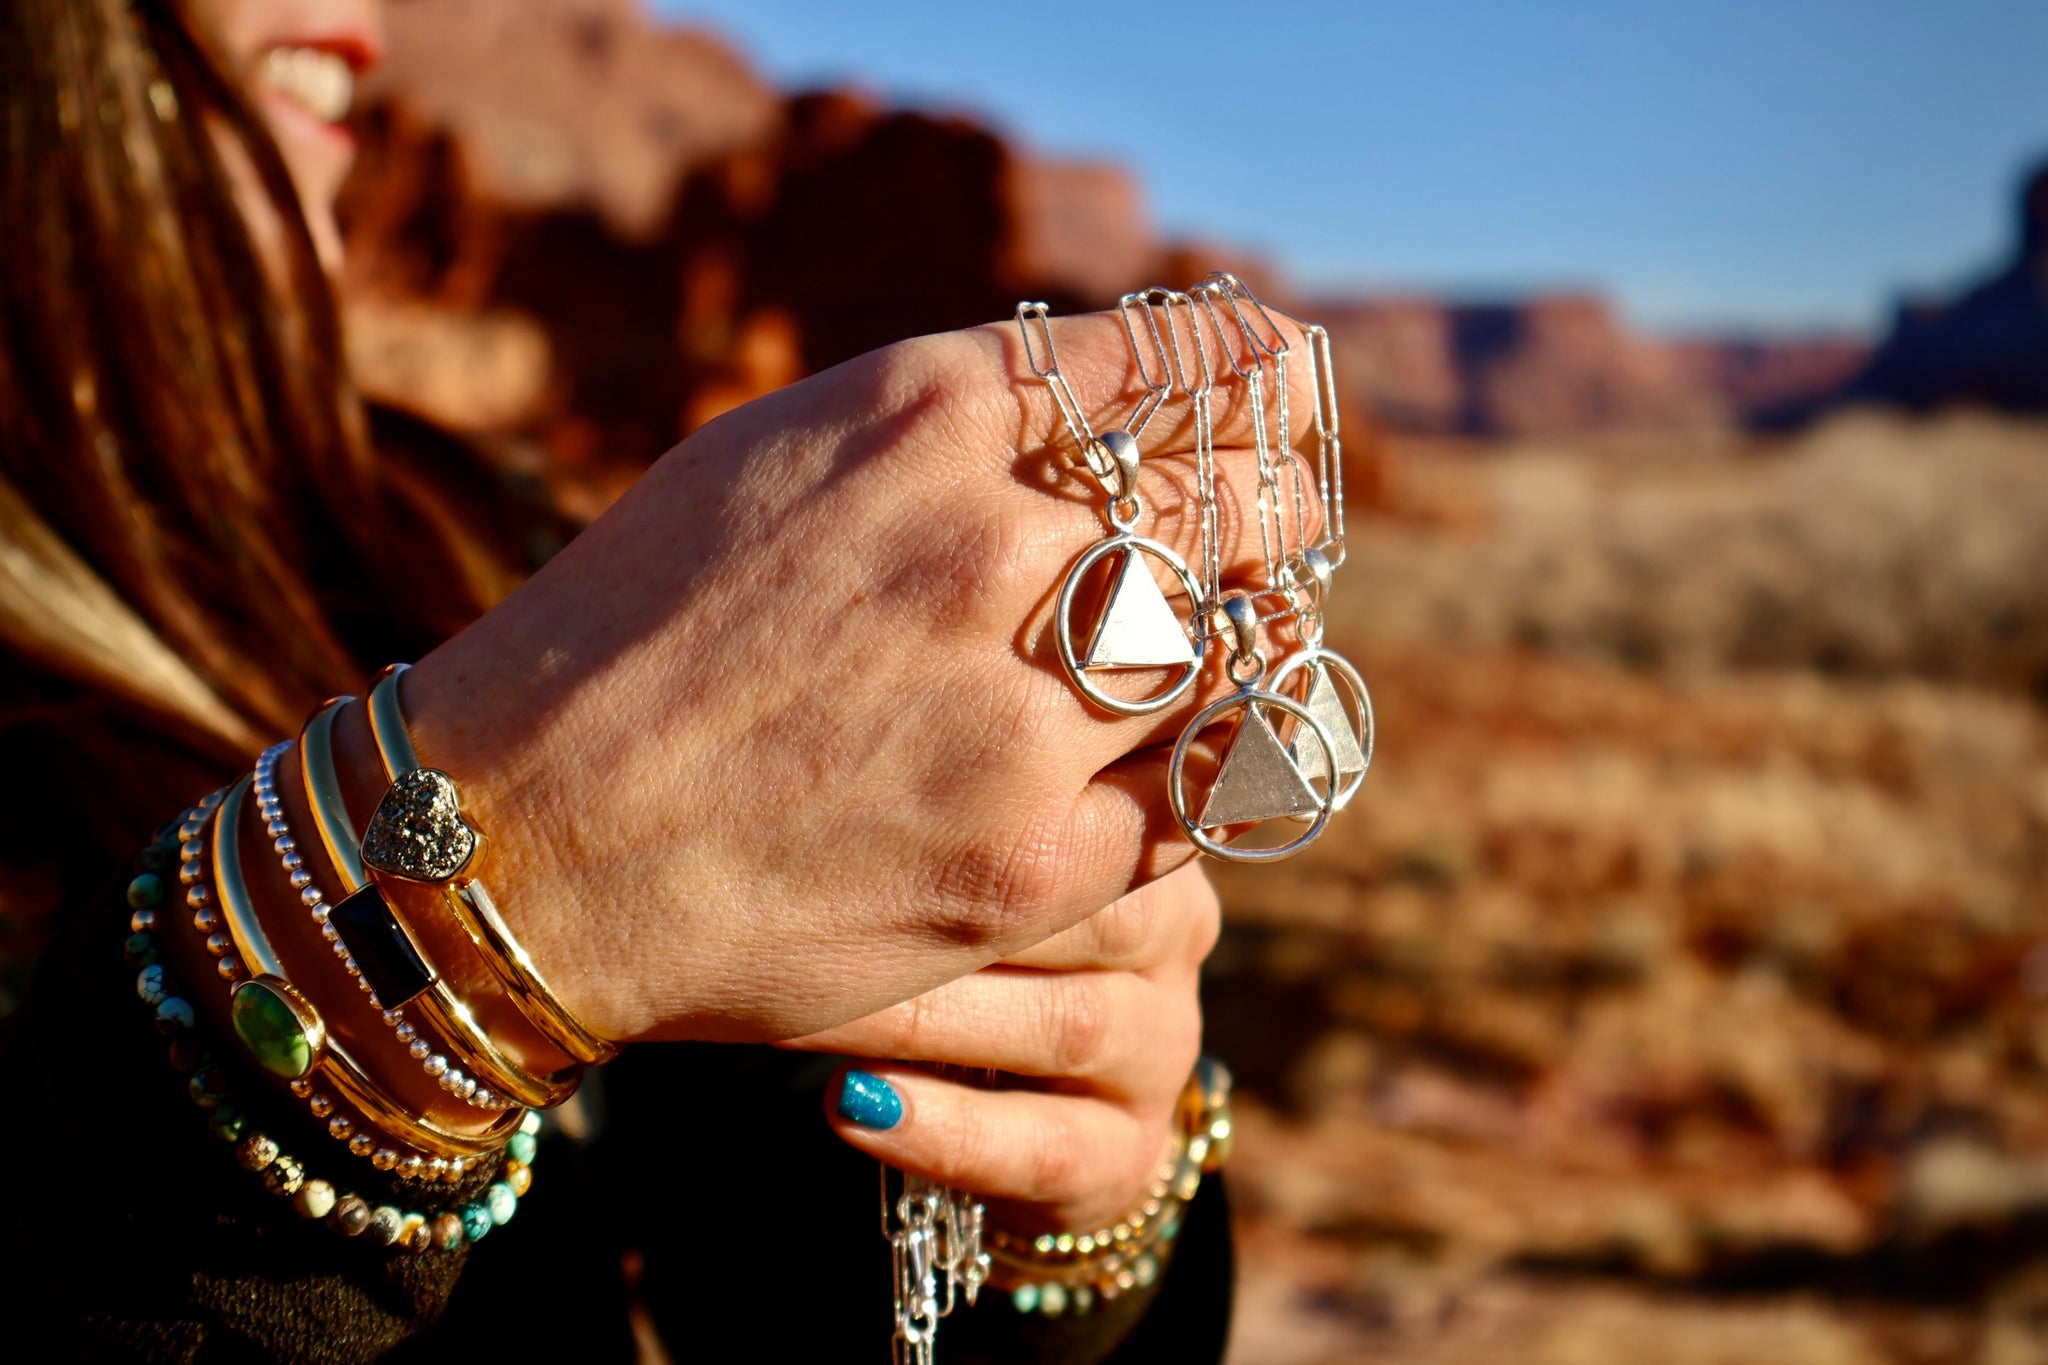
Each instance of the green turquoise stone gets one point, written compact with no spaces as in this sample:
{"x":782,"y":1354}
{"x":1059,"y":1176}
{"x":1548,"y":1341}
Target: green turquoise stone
{"x":140,"y":949}
{"x":476,"y":1221}
{"x":1024,"y":1298}
{"x":227,"y":1124}
{"x":269,"y":1027}
{"x":522,"y":1147}
{"x":502,"y":1203}
{"x":145,"y":891}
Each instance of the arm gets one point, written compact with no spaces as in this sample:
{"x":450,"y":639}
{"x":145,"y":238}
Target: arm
{"x":778,"y":742}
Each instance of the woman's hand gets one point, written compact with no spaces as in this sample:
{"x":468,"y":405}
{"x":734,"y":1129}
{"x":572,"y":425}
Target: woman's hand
{"x":782,"y":738}
{"x":1103,"y":1024}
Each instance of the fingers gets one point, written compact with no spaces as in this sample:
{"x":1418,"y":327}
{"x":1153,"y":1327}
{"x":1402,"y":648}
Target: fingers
{"x":1095,"y":356}
{"x":1000,"y":397}
{"x":1113,"y":1031}
{"x":1038,"y":1148}
{"x":1172,"y":495}
{"x":1171,"y":921}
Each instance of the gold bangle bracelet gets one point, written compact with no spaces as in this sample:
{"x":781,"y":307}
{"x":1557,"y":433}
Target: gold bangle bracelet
{"x":332,"y":1061}
{"x":386,"y":950}
{"x":439,"y":1003}
{"x":324,"y":798}
{"x":522,"y":980}
{"x":478,"y":913}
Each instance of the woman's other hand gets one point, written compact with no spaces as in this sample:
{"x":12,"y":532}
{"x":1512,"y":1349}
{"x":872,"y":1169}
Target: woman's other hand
{"x":1102,"y":1024}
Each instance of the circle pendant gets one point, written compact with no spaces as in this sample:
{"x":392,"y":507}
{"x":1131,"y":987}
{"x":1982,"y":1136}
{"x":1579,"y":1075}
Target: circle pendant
{"x":1250,"y":699}
{"x":1358,"y":720}
{"x":1063,"y":623}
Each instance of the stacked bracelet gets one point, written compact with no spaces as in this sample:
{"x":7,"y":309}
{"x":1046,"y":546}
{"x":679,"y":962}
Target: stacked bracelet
{"x":402,"y":975}
{"x":1058,"y":1273}
{"x":282,"y":1032}
{"x":283,"y":1175}
{"x":318,"y":734}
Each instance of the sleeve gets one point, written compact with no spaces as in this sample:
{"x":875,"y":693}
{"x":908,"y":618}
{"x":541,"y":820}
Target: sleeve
{"x":716,"y":1210}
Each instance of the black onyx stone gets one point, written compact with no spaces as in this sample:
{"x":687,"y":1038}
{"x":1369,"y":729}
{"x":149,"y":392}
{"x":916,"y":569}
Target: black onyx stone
{"x":380,"y":946}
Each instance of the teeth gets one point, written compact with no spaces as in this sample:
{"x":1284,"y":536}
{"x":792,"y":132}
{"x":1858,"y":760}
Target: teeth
{"x":318,"y":82}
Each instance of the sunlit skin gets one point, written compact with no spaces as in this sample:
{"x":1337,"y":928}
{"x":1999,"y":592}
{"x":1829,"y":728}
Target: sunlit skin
{"x":737,"y":788}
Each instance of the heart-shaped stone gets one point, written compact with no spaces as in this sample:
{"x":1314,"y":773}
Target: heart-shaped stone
{"x":418,"y":831}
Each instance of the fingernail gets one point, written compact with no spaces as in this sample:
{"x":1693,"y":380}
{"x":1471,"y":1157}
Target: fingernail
{"x":869,"y":1101}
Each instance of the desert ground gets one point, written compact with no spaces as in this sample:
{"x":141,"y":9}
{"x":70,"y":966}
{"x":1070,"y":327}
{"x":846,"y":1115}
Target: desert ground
{"x":1675,"y":985}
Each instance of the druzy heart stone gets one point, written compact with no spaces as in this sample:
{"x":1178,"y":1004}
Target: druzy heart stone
{"x":418,"y":831}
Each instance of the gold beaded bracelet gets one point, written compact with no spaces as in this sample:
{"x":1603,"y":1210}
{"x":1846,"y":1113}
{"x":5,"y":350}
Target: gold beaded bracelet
{"x":1056,"y":1273}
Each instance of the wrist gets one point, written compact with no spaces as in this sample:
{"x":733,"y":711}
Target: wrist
{"x":516,"y":770}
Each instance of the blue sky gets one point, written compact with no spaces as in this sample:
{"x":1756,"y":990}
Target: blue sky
{"x":1712,"y":164}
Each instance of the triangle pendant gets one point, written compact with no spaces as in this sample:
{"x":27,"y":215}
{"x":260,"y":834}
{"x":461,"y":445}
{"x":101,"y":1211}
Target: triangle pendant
{"x":1326,"y":706}
{"x":1137,"y":628}
{"x":1258,"y":781}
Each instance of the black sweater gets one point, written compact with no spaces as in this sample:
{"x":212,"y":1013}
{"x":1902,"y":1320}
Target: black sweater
{"x":711,"y":1202}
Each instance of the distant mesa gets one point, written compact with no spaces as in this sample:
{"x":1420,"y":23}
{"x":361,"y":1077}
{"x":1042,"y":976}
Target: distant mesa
{"x":1988,"y":346}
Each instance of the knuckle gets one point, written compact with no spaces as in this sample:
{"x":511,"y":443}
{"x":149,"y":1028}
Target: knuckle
{"x":981,"y":389}
{"x":910,"y":1025}
{"x":916,"y":366}
{"x":1125,"y":931}
{"x":1001,"y":886}
{"x":953,"y":559}
{"x":1205,"y":920}
{"x":1181,"y":1044}
{"x":1033,"y":879}
{"x":1082,"y":1023}
{"x":1141,"y":1154}
{"x":1056,"y":1167}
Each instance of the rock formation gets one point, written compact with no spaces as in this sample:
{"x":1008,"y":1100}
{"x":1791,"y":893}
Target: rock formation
{"x":1566,"y":364}
{"x":1989,"y":345}
{"x":584,"y":232}
{"x":1772,"y":382}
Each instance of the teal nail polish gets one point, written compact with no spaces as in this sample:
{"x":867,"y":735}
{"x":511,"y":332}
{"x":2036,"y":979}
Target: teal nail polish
{"x":869,"y":1101}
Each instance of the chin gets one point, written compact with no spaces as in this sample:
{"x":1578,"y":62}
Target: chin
{"x":318,"y":156}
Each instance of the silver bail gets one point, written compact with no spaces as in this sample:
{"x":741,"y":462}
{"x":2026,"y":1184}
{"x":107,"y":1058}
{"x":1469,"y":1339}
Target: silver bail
{"x":1318,"y":565}
{"x":1119,"y":471}
{"x":1243,"y":617}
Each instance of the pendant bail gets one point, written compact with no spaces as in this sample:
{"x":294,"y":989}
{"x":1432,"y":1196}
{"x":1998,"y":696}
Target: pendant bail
{"x":1243,"y":618}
